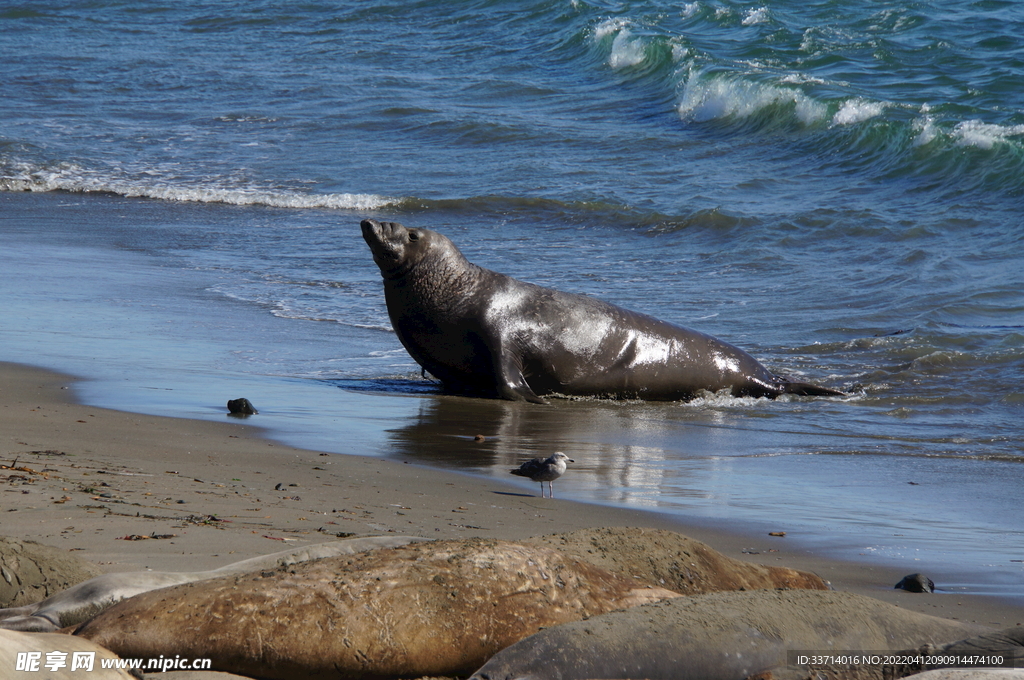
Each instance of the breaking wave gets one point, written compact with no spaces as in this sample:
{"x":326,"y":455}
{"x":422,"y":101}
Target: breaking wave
{"x":72,"y":178}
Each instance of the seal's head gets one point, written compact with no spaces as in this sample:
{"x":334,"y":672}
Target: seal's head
{"x":398,"y":249}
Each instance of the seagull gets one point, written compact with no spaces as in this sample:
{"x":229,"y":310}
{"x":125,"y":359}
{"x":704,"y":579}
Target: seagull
{"x":544,"y":470}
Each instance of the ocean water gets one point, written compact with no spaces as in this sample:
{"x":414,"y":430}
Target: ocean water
{"x":838,"y":188}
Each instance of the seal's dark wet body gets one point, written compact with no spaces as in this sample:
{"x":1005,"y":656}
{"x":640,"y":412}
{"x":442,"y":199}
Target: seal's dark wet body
{"x":486,"y":333}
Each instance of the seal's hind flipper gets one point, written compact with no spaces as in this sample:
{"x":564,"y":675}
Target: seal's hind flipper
{"x":810,"y":390}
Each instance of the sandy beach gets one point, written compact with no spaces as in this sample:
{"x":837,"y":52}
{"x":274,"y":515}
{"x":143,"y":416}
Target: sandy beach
{"x":132,"y":492}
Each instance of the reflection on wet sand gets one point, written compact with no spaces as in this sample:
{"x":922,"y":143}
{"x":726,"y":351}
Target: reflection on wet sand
{"x":624,"y":452}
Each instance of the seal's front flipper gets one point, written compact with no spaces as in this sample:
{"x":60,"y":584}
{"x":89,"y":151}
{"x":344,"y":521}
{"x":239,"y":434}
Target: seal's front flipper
{"x":511,"y":384}
{"x":518,"y":390}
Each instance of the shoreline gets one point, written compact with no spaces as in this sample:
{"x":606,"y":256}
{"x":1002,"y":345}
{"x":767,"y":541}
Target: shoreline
{"x":216,"y":493}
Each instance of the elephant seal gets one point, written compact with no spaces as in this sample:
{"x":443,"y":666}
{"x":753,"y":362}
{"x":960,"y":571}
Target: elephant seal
{"x":971,"y":674}
{"x":88,"y":598}
{"x":479,"y":331}
{"x":718,"y":636}
{"x":437,"y":608}
{"x":916,"y":583}
{"x":74,"y":653}
{"x":31,"y":571}
{"x":999,"y":654}
{"x":241,"y":407}
{"x":674,"y":561}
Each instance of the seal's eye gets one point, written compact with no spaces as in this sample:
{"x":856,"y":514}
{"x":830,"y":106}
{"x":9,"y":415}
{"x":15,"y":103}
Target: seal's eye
{"x":414,"y":236}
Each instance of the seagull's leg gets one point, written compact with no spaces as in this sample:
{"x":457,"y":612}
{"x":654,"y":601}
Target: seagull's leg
{"x":551,"y":489}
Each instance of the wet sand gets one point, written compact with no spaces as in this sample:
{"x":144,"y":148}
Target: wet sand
{"x":132,"y":492}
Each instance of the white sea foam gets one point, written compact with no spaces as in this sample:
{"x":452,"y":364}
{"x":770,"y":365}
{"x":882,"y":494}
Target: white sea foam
{"x":809,"y":111}
{"x":857,"y":111}
{"x":369,"y":326}
{"x":627,"y":49}
{"x":721,"y":97}
{"x":925,"y":126}
{"x":609,"y":27}
{"x":680,"y":53}
{"x":801,"y":78}
{"x":245,"y":118}
{"x":808,"y":41}
{"x":73,"y":178}
{"x":689,"y":9}
{"x":973,"y":133}
{"x":754,"y":16}
{"x":984,"y":135}
{"x":824,"y":39}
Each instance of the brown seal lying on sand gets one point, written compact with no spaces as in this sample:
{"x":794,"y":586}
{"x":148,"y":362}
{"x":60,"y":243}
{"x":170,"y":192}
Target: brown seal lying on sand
{"x":13,"y":643}
{"x":720,"y":636}
{"x":672,"y":560}
{"x":479,"y":331}
{"x":437,"y":608}
{"x":31,"y":571}
{"x":88,"y":598}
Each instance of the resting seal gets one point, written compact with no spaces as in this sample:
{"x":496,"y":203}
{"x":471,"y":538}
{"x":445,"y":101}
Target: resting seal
{"x":479,"y":331}
{"x":81,"y":658}
{"x":719,"y":636}
{"x":960,"y":660}
{"x":88,"y":598}
{"x":670,"y":560}
{"x":427,"y":609}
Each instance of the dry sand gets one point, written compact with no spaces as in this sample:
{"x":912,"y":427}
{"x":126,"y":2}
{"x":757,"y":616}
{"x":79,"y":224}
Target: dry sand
{"x":89,"y":480}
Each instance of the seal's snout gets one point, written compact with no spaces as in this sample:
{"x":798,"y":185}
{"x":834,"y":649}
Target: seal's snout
{"x":377,"y":234}
{"x":376,"y":239}
{"x":381,"y":231}
{"x":369,"y":227}
{"x":391,"y":246}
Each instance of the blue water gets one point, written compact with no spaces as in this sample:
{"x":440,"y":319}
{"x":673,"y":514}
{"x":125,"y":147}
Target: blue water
{"x":838,"y":188}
